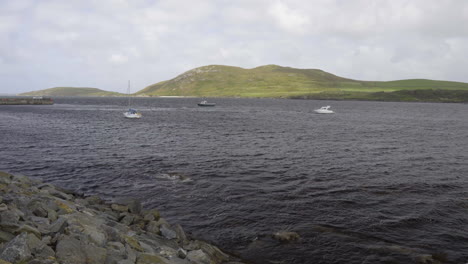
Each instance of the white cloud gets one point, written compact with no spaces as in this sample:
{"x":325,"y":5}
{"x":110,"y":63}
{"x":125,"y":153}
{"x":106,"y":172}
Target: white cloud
{"x":291,"y":20}
{"x":118,"y":59}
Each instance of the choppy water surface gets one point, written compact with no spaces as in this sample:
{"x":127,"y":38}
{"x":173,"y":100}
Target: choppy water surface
{"x":374,"y":183}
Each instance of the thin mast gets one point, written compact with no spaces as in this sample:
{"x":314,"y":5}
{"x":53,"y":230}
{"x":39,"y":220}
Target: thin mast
{"x":128,"y":93}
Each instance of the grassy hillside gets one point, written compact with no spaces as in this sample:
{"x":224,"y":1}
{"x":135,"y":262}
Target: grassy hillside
{"x":71,"y":91}
{"x":283,"y":82}
{"x":421,"y":95}
{"x":277,"y":81}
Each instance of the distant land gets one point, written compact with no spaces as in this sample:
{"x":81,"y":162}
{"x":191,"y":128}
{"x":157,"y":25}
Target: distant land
{"x":72,"y":91}
{"x":275,"y":81}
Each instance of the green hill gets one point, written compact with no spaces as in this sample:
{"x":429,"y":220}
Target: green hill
{"x":286,"y":82}
{"x":72,"y":91}
{"x":283,"y":82}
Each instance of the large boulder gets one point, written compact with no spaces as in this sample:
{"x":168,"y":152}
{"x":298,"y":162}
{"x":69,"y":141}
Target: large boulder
{"x":133,"y":205}
{"x":167,"y":232}
{"x":16,"y":250}
{"x":69,"y":250}
{"x":198,"y":257}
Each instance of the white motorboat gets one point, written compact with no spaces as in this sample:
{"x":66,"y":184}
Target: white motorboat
{"x":324,"y":110}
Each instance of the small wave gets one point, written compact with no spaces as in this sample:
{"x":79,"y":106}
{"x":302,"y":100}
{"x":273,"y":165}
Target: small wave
{"x":173,"y":177}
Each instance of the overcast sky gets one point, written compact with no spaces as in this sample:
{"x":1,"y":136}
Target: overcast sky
{"x":104,"y":43}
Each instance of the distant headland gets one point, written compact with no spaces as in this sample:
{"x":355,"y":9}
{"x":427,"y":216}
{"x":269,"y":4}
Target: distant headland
{"x":273,"y":81}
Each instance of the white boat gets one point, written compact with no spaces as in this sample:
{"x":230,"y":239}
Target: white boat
{"x":131,"y":113}
{"x":205,"y":103}
{"x":324,"y":110}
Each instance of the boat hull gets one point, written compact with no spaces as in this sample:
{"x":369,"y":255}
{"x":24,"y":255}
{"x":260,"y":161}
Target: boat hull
{"x":319,"y":111}
{"x":208,"y":104}
{"x":132,"y":115}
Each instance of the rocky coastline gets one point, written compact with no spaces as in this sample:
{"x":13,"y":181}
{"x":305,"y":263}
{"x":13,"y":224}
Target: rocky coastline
{"x":44,"y":224}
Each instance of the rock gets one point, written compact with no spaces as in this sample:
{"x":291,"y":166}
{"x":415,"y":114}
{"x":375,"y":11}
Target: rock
{"x":168,"y":252}
{"x":95,"y":255}
{"x":69,"y":251}
{"x":112,"y":234}
{"x":5,"y":178}
{"x":198,"y":257}
{"x":115,"y":253}
{"x":147,"y":248}
{"x":153,"y":227}
{"x":51,"y":205}
{"x":5,"y":236}
{"x":96,"y":236}
{"x":94,"y":200}
{"x":46,"y":186}
{"x":9,"y":217}
{"x":46,"y":240}
{"x":134,"y":205}
{"x":58,"y":226}
{"x":38,"y":248}
{"x":161,"y":221}
{"x":3,"y":207}
{"x":16,"y":250}
{"x":37,"y":208}
{"x":215,"y":254}
{"x":119,"y":208}
{"x":286,"y":236}
{"x":151,"y":215}
{"x":181,"y":236}
{"x":181,"y":253}
{"x":39,"y":221}
{"x":52,"y":214}
{"x":131,"y":254}
{"x":65,"y":207}
{"x":151,"y":259}
{"x":30,"y":230}
{"x":21,"y":179}
{"x":127,"y":219}
{"x":133,"y":243}
{"x":60,"y":194}
{"x":42,"y":261}
{"x":167,"y":232}
{"x":116,"y":246}
{"x":126,"y":261}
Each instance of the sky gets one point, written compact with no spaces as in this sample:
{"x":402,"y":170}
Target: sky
{"x":105,"y":43}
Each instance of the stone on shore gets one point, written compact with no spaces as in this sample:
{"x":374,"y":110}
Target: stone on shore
{"x":286,"y":236}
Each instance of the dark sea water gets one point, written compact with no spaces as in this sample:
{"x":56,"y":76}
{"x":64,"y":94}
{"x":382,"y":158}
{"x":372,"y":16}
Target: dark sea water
{"x":374,"y":183}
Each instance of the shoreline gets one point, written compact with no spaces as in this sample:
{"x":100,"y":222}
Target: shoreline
{"x":44,"y":224}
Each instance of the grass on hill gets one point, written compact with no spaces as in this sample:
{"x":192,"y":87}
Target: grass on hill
{"x":285,"y":82}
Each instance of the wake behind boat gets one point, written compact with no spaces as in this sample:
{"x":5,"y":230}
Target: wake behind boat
{"x":205,"y":103}
{"x":324,"y":110}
